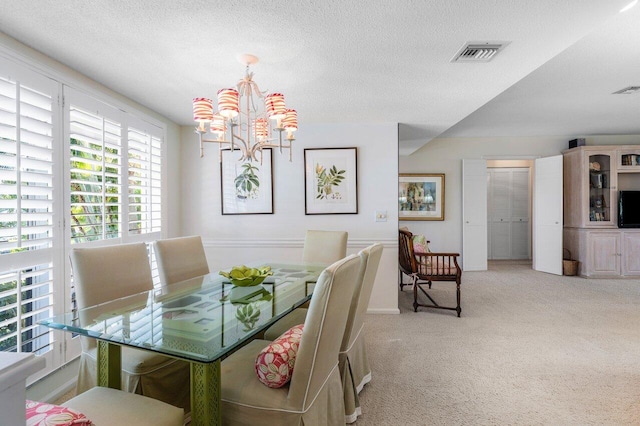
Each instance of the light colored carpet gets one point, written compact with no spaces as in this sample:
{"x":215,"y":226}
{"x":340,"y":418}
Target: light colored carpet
{"x":530,"y":349}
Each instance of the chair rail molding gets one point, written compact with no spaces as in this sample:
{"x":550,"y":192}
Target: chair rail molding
{"x":353,"y":243}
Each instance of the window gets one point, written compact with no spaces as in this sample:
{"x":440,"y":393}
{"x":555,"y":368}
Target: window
{"x":26,"y":168}
{"x":73,"y":171}
{"x":96,"y":176}
{"x":26,"y":296}
{"x":26,"y":213}
{"x":145,"y":190}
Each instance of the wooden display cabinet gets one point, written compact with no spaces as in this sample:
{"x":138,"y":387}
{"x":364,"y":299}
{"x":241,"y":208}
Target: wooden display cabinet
{"x":628,"y":160}
{"x":590,"y":192}
{"x":593,"y":175}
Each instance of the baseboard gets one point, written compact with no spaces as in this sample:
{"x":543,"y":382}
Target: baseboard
{"x":56,"y":394}
{"x":384,"y":311}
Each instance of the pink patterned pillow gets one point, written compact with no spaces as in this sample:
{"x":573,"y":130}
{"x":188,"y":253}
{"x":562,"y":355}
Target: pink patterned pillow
{"x":420,"y":244}
{"x":274,"y":364}
{"x":43,"y":414}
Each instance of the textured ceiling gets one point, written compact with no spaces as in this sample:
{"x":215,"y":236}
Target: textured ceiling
{"x":572,"y":94}
{"x":336,"y":61}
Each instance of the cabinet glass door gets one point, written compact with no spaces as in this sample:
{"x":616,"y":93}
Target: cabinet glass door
{"x":600,"y":199}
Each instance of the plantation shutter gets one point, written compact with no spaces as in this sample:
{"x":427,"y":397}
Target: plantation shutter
{"x":27,"y":291}
{"x":70,"y":165}
{"x":95,"y":143}
{"x":145,"y":189}
{"x":26,"y":168}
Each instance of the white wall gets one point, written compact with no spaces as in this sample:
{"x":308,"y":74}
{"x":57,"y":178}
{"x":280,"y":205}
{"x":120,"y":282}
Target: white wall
{"x":234,"y":239}
{"x":445,"y":156}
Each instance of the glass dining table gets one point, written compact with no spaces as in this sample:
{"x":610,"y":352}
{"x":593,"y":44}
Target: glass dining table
{"x":202,"y":321}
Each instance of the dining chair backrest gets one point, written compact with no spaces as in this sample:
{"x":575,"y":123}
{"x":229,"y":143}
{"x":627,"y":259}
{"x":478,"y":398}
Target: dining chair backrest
{"x":102,"y":274}
{"x":406,"y":257}
{"x":323,"y":330}
{"x":324,"y":247}
{"x":180,"y":259}
{"x":370,"y":259}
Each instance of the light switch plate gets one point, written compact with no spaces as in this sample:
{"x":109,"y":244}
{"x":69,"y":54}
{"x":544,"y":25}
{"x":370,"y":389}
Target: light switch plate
{"x":381,"y":216}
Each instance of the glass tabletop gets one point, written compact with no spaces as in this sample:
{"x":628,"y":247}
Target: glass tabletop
{"x":203,"y":319}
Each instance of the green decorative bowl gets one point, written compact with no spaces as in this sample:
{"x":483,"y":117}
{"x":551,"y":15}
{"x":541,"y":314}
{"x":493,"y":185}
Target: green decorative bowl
{"x":243,"y":276}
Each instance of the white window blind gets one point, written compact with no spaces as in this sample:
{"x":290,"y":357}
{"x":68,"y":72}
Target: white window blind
{"x":75,"y":169}
{"x":145,"y":190}
{"x":26,"y":163}
{"x":96,"y":176}
{"x":26,"y":212}
{"x":26,"y":297}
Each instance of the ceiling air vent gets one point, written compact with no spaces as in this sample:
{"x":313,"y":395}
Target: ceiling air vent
{"x":627,"y":90}
{"x":478,"y":52}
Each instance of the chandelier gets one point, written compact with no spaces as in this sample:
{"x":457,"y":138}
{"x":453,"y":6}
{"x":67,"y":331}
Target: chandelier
{"x":246,"y":119}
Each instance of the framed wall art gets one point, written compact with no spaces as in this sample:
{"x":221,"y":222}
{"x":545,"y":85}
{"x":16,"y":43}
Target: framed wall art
{"x":246,"y":186}
{"x":331,"y":181}
{"x":421,"y":196}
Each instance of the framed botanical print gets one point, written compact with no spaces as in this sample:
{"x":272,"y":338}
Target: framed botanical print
{"x":331,"y":181}
{"x":246,"y":186}
{"x":421,"y":196}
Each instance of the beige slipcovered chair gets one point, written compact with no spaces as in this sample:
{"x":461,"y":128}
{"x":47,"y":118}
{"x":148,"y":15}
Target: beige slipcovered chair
{"x":105,"y":406}
{"x":103,"y":274}
{"x":180,"y":259}
{"x":314,"y":394}
{"x":324,"y":247}
{"x":354,"y":364}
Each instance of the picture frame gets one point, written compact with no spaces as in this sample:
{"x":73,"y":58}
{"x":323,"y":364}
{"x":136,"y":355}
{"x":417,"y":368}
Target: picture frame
{"x":421,"y":196}
{"x":331,"y":180}
{"x":238,"y":190}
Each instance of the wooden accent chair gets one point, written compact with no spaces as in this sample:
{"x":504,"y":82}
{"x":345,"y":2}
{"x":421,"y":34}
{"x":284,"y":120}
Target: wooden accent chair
{"x":324,"y":247}
{"x":314,"y":394}
{"x":180,"y":259}
{"x":423,"y":268}
{"x":102,"y":274}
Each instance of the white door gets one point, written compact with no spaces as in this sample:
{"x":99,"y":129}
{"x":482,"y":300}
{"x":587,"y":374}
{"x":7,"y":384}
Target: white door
{"x":474,"y":215}
{"x":547,"y":215}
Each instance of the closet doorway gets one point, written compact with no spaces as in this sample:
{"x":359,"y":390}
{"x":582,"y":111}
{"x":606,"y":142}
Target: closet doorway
{"x":509,"y":209}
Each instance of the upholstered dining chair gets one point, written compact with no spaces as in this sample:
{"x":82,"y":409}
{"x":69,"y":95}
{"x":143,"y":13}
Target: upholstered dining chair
{"x":102,"y":274}
{"x":180,"y":259}
{"x":105,"y":406}
{"x":314,"y":394}
{"x":354,"y":363}
{"x":324,"y":247}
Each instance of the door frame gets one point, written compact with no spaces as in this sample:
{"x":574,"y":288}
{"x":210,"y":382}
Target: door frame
{"x":531,"y":159}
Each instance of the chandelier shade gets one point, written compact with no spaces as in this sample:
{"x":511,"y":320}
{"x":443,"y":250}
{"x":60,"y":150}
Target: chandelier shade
{"x":228,"y":102}
{"x":261,"y":128}
{"x":202,"y":110}
{"x":275,"y":105}
{"x":246,"y":119}
{"x":290,"y":120}
{"x":217,"y":125}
